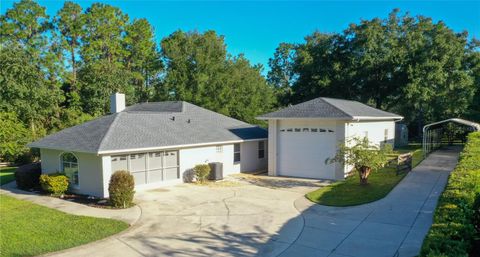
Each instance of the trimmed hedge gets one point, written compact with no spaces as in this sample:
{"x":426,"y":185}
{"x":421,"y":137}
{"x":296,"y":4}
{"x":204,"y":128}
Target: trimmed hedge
{"x":454,"y":230}
{"x":27,"y":176}
{"x":121,"y":189}
{"x":55,"y":183}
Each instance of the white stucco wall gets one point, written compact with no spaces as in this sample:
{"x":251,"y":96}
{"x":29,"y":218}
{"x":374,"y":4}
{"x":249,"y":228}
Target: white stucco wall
{"x":89,"y":170}
{"x":249,"y":161}
{"x":376,"y":133}
{"x":375,"y":129}
{"x":189,"y":157}
{"x":272,"y":147}
{"x":249,"y":157}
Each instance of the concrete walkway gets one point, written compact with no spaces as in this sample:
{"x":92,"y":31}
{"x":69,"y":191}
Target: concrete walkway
{"x":130,"y":215}
{"x":393,"y":226}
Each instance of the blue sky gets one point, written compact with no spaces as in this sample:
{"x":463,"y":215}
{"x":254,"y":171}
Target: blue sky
{"x":256,"y":28}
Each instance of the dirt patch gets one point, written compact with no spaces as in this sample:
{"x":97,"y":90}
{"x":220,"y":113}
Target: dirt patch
{"x":220,"y":183}
{"x":279,"y":182}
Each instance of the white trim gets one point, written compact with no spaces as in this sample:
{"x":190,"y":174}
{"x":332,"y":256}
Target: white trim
{"x":301,"y":118}
{"x":60,"y":149}
{"x":357,"y":118}
{"x":171,"y":147}
{"x":377,"y":118}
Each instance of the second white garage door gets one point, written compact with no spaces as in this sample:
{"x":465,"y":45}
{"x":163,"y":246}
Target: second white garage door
{"x":302,"y":152}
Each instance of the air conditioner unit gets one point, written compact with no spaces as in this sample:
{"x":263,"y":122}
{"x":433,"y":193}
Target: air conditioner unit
{"x":216,"y":171}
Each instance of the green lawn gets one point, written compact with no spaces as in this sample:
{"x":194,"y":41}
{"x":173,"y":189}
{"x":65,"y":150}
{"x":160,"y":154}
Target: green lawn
{"x":349,"y":192}
{"x":28,"y":229}
{"x":7,"y":174}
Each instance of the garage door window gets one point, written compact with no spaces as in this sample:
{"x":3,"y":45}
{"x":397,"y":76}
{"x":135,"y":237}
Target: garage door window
{"x":119,"y":163}
{"x":261,"y":149}
{"x":236,"y":153}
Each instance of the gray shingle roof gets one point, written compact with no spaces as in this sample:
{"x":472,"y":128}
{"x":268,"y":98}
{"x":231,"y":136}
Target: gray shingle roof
{"x":151,"y":125}
{"x":330,"y":108}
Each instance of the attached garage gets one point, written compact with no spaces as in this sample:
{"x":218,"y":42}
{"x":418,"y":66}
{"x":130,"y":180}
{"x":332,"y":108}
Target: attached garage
{"x":159,"y":143}
{"x":302,"y":137}
{"x":150,"y":167}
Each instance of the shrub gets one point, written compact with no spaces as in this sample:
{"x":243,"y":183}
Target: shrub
{"x":27,"y":176}
{"x":455,"y":224}
{"x":121,"y":189}
{"x":55,"y":183}
{"x":201,"y":172}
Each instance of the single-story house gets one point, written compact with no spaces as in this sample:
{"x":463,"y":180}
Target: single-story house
{"x":301,"y":137}
{"x":158,"y":142}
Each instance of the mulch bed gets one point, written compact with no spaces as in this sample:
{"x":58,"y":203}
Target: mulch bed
{"x":87,"y":200}
{"x":78,"y":198}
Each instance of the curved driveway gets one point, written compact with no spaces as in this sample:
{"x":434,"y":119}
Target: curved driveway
{"x":254,"y":219}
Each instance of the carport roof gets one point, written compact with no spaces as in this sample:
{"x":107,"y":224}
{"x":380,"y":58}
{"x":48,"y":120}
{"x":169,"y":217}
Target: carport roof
{"x":151,"y":126}
{"x":331,"y":108}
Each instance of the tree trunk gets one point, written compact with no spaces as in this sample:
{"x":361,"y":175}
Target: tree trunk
{"x":74,"y":69}
{"x":363,"y":172}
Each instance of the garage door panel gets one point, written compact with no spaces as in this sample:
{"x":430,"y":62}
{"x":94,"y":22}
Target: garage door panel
{"x":149,"y":167}
{"x":303,"y":154}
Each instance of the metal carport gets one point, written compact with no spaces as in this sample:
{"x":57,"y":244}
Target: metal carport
{"x":431,"y":138}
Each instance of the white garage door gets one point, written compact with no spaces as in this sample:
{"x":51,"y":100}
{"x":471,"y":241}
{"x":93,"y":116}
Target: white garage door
{"x":150,"y":167}
{"x":302,"y":152}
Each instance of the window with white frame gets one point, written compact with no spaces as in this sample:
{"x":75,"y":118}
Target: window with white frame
{"x":219,"y":149}
{"x":236,"y":153}
{"x":70,"y":167}
{"x":261,"y":149}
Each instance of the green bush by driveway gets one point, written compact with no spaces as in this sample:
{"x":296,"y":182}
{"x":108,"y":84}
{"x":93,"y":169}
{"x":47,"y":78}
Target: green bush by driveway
{"x":453,"y":231}
{"x":28,"y":229}
{"x":349,"y":192}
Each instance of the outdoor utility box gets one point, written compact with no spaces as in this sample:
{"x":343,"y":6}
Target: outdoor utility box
{"x":401,"y":134}
{"x":216,"y":171}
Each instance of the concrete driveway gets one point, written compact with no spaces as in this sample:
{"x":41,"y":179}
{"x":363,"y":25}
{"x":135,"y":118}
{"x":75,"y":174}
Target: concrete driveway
{"x":393,"y":226}
{"x":260,"y":216}
{"x":239,"y":218}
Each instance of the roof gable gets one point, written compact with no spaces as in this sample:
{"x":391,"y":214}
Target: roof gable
{"x":330,"y":108}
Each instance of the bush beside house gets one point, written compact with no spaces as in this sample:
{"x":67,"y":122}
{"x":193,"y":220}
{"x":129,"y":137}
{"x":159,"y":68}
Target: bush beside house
{"x":55,"y":184}
{"x":121,"y":189}
{"x":27,"y":176}
{"x":456,"y":224}
{"x":202,"y":171}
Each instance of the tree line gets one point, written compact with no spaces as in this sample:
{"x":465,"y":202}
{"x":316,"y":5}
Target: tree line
{"x":408,"y":65}
{"x":56,"y":72}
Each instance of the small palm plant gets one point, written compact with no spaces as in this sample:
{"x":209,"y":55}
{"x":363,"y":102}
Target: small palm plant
{"x":363,"y":155}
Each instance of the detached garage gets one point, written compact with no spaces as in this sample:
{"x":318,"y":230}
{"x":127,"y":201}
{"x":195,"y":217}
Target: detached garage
{"x":301,"y":137}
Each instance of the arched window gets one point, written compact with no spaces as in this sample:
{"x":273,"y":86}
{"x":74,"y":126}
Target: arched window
{"x":70,"y":167}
